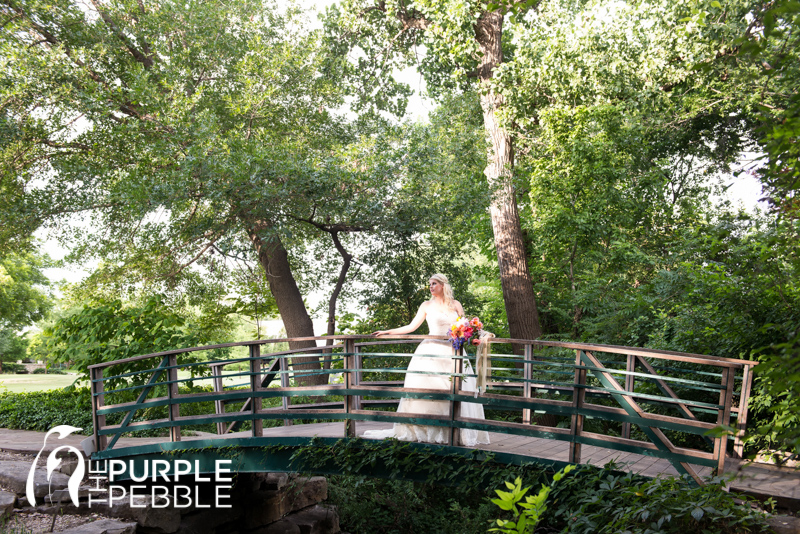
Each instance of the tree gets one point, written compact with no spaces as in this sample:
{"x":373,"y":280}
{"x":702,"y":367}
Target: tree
{"x":462,"y":41}
{"x":186,"y":132}
{"x":12,"y":346}
{"x":23,"y":300}
{"x":103,"y":331}
{"x":23,"y":297}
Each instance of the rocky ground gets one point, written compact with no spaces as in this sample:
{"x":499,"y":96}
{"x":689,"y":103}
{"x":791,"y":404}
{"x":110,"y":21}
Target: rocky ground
{"x":261,"y":503}
{"x":30,"y":521}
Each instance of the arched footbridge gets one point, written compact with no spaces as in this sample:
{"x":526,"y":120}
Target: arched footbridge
{"x":654,"y":412}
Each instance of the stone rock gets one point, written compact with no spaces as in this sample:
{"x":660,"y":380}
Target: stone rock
{"x":262,"y":481}
{"x":69,"y":465}
{"x":157,"y":520}
{"x":275,"y":481}
{"x":279,"y":527}
{"x":14,"y":476}
{"x":247,"y":482}
{"x":784,"y":524}
{"x":265,"y":507}
{"x":207,"y":521}
{"x":319,"y":519}
{"x":62,"y":495}
{"x":7,"y":501}
{"x":104,"y":526}
{"x":304,"y":492}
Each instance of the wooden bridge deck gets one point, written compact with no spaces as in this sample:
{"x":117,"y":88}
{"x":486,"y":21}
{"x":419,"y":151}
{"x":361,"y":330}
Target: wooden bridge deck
{"x":759,"y":480}
{"x":545,"y":449}
{"x":657,"y":392}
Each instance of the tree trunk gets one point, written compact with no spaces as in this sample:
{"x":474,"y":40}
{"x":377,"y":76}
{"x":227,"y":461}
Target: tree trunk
{"x":275,"y":261}
{"x":346,"y":260}
{"x":515,"y":278}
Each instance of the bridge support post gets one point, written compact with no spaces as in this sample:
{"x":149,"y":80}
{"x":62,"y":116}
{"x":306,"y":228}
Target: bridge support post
{"x":357,"y":376}
{"x":527,"y":385}
{"x":455,"y":407}
{"x":219,"y":404}
{"x":350,"y":379}
{"x":741,"y":413}
{"x":98,"y":401}
{"x":629,"y":386}
{"x":174,"y":409}
{"x":255,"y":386}
{"x":578,"y":397}
{"x":724,"y":417}
{"x":285,"y":384}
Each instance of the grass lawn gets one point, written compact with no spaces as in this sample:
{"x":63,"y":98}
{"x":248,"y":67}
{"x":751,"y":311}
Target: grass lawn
{"x":22,"y":383}
{"x":30,"y":382}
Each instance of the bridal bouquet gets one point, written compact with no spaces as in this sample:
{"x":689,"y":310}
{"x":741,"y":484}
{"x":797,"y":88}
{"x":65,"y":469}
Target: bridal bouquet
{"x":464,"y":330}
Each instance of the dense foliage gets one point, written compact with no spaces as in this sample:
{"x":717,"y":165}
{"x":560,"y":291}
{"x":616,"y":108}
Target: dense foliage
{"x":211,"y":135}
{"x":605,"y":501}
{"x":453,"y":494}
{"x":24,"y":300}
{"x":106,"y":331}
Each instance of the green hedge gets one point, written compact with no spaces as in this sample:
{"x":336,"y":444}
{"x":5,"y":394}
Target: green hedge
{"x":42,"y":410}
{"x":12,"y":368}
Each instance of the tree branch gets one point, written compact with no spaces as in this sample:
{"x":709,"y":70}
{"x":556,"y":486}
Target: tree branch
{"x":140,"y":57}
{"x":347,"y":257}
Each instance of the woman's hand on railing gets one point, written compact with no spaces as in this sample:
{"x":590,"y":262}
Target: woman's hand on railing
{"x":379,"y":333}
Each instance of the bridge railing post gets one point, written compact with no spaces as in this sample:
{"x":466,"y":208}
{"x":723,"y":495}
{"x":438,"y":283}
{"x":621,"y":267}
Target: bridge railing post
{"x":98,"y":401}
{"x":527,"y":385}
{"x":724,"y":417}
{"x":219,"y":404}
{"x":358,"y":375}
{"x":455,"y":407}
{"x":174,"y":408}
{"x":630,"y":385}
{"x":255,"y":386}
{"x":741,"y":414}
{"x":285,"y":384}
{"x":350,"y":379}
{"x":578,"y":397}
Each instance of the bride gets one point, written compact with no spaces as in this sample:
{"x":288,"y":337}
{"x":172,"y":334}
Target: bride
{"x":440,"y":311}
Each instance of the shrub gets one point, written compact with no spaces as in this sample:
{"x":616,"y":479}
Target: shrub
{"x":42,"y":410}
{"x":606,"y":501}
{"x":378,"y":505}
{"x":12,"y":368}
{"x":43,"y":371}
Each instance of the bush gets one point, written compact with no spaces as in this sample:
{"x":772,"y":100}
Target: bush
{"x":42,"y":410}
{"x":43,"y":371}
{"x":606,"y":501}
{"x":378,"y":505}
{"x":12,"y":368}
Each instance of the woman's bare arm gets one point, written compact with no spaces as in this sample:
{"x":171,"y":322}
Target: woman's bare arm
{"x":407,"y":329}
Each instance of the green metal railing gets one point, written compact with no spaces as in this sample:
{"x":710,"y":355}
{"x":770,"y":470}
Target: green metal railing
{"x":621,"y":398}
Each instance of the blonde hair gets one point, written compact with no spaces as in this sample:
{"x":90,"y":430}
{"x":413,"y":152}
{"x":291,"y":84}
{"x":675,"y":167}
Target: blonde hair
{"x":448,"y":289}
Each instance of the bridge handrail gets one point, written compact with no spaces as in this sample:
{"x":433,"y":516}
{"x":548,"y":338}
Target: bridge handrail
{"x":618,"y":349}
{"x":604,"y":385}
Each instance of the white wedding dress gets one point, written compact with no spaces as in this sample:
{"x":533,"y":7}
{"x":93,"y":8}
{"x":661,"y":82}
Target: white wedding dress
{"x":439,"y":325}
